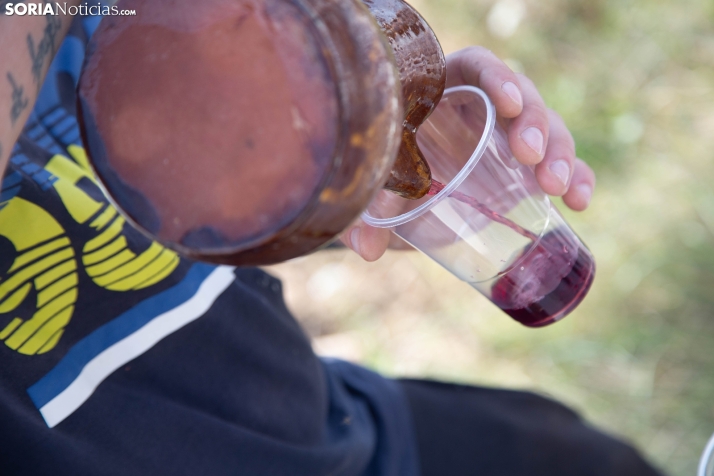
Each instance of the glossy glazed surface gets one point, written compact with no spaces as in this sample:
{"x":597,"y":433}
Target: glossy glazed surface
{"x":182,"y":144}
{"x":241,"y":132}
{"x":422,"y":74}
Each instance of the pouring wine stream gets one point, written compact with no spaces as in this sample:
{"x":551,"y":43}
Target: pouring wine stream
{"x":437,"y":187}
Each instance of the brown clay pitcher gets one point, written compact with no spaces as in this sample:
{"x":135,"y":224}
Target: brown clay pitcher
{"x":249,"y":132}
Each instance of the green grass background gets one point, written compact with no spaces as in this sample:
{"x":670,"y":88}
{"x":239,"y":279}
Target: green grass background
{"x":634,"y":80}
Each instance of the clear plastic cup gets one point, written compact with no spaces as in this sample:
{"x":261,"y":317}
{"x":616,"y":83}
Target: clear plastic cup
{"x":706,"y":463}
{"x":491,"y":225}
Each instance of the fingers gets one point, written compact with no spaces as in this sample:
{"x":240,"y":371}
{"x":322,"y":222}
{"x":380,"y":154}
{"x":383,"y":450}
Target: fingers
{"x":368,"y":242}
{"x":536,"y":135}
{"x":528,"y":133}
{"x":560,"y":172}
{"x":514,"y":96}
{"x":581,"y":188}
{"x":477,"y":66}
{"x":556,"y":169}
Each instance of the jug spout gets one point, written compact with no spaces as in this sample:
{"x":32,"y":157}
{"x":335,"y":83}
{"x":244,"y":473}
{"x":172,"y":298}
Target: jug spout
{"x":422,"y":73}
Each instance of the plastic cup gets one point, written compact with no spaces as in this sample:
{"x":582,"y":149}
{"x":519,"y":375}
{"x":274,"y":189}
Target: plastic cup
{"x":491,"y":225}
{"x":706,"y":463}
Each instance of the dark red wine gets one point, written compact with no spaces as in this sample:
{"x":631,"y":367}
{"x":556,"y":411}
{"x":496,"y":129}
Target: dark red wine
{"x":548,"y":280}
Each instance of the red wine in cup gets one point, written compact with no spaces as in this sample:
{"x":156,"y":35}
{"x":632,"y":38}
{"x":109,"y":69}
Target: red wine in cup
{"x":549,"y":279}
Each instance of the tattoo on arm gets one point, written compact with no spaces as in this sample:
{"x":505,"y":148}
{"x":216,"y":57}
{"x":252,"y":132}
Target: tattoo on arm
{"x":45,"y":48}
{"x":19,"y":100}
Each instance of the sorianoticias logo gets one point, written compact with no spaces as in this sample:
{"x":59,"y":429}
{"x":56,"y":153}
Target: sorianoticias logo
{"x":61,"y":8}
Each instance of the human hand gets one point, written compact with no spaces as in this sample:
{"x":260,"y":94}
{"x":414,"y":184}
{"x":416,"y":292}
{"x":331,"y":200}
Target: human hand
{"x":536,"y":135}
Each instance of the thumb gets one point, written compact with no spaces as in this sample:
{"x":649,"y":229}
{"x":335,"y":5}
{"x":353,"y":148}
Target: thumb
{"x":367,"y":241}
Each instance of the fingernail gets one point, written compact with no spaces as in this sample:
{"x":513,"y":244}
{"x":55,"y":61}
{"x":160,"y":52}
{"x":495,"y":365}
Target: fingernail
{"x":513,"y":92}
{"x":585,"y":191}
{"x":561,"y":170}
{"x":354,"y":241}
{"x":534,"y":138}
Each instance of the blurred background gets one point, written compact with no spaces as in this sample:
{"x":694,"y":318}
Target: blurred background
{"x":634,"y":80}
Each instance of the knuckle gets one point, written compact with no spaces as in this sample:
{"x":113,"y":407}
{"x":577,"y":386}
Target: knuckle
{"x":525,"y":80}
{"x":476,"y":50}
{"x":555,"y":115}
{"x":564,"y":148}
{"x":568,"y":142}
{"x":536,"y":111}
{"x":581,"y":164}
{"x":483,"y":57}
{"x":582,"y":173}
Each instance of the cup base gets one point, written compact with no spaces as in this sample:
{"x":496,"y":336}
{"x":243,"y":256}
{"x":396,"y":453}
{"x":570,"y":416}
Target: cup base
{"x":569,"y":280}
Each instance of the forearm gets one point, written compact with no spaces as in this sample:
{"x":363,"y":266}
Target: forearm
{"x":27,"y":46}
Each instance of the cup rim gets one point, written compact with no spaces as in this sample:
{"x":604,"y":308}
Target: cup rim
{"x":457,"y":180}
{"x":706,"y":457}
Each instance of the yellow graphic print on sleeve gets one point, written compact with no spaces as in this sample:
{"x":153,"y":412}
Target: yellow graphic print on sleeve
{"x":82,"y":292}
{"x":45,"y":266}
{"x":107,"y":258}
{"x":45,"y":261}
